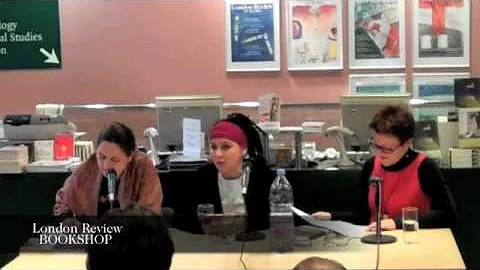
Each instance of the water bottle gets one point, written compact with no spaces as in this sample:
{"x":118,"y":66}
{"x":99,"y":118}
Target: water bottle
{"x":2,"y":133}
{"x":282,"y":236}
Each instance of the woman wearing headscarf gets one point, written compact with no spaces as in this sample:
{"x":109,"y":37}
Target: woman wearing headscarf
{"x":238,"y":179}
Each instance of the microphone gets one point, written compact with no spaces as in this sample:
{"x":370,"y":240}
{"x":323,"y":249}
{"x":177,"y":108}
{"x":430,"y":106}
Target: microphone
{"x":246,"y":170}
{"x":112,"y":181}
{"x":247,"y":236}
{"x":378,"y":237}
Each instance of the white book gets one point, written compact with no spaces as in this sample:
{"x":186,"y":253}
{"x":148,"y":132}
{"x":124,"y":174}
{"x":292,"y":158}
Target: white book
{"x":461,"y":158}
{"x":43,"y":150}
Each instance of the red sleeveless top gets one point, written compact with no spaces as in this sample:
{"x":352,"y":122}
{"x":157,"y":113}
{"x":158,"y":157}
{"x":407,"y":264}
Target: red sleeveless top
{"x":399,"y":189}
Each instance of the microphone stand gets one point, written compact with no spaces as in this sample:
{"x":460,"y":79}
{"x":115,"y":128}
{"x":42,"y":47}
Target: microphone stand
{"x":378,"y":237}
{"x":247,"y":236}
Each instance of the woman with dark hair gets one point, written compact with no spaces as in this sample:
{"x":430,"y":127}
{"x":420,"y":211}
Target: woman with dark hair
{"x":84,"y":192}
{"x":252,"y":133}
{"x":409,"y":178}
{"x":226,"y":183}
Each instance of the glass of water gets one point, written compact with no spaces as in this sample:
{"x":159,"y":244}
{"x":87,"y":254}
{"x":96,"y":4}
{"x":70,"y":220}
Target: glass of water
{"x":410,"y":224}
{"x":205,"y":211}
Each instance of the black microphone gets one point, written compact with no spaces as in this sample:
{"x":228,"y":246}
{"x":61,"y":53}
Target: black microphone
{"x":111,"y":181}
{"x":377,"y":181}
{"x":378,"y":237}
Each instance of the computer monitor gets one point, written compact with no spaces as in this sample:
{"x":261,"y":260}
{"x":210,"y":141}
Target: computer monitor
{"x":426,"y":135}
{"x":358,"y":111}
{"x":467,"y":93}
{"x":171,"y":110}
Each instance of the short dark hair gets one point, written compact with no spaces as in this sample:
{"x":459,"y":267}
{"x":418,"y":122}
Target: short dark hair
{"x":252,"y":132}
{"x":143,"y":242}
{"x":318,"y":263}
{"x":119,"y":134}
{"x":396,"y":121}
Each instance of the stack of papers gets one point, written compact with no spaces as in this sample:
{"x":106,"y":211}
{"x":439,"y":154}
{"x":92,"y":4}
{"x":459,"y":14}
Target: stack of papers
{"x":52,"y":166}
{"x":13,"y":159}
{"x":340,"y":227}
{"x":181,"y":161}
{"x":313,"y":127}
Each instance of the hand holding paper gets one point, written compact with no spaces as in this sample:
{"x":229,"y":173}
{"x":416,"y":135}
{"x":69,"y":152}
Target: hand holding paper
{"x":340,"y":227}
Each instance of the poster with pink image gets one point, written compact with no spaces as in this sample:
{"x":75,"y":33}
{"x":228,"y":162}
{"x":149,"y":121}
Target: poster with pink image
{"x":314,"y":34}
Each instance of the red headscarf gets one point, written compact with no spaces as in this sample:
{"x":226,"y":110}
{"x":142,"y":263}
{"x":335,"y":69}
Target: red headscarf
{"x":228,"y":130}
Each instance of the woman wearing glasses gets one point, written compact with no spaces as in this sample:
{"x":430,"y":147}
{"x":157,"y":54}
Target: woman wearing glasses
{"x":409,"y":178}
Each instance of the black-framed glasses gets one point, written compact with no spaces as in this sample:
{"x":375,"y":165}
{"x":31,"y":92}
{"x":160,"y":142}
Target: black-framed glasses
{"x":375,"y":147}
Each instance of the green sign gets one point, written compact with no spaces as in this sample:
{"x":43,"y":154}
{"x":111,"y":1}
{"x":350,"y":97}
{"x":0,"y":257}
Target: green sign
{"x":29,"y":34}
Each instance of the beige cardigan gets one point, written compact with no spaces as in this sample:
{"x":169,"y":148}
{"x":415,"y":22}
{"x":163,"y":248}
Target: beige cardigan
{"x":139,"y":184}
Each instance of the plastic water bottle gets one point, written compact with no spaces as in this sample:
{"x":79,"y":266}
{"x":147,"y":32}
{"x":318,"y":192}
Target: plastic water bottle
{"x":282,"y":234}
{"x":2,"y":133}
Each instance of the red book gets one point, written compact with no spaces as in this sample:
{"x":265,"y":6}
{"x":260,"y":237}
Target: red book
{"x":63,"y":146}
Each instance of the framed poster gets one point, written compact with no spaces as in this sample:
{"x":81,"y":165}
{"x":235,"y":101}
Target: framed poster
{"x":314,"y":34}
{"x":252,"y":35}
{"x":441,"y":34}
{"x":380,"y":84}
{"x":436,"y":86}
{"x":434,"y":94}
{"x":376,"y":34}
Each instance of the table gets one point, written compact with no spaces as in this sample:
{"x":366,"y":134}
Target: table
{"x":436,"y":249}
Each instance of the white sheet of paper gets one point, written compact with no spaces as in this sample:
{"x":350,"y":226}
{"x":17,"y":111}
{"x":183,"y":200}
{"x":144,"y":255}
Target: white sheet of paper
{"x":341,"y":227}
{"x":265,"y":105}
{"x":192,"y":137}
{"x":202,"y":142}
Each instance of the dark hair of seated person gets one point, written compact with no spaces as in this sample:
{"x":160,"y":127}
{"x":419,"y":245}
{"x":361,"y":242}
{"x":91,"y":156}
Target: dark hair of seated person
{"x":119,"y":134}
{"x":318,"y":263}
{"x":143,"y":242}
{"x":252,"y":132}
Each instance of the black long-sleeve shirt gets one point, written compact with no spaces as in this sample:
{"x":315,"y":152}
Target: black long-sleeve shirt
{"x":207,"y":191}
{"x":432,"y":183}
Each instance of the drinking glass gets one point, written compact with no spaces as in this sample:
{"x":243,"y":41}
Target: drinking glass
{"x":410,"y":224}
{"x":205,"y":211}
